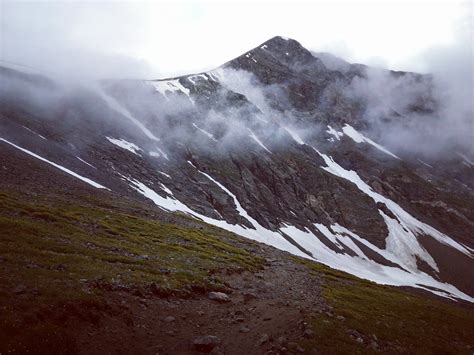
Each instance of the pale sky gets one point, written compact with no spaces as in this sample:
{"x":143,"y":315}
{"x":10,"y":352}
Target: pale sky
{"x":161,"y":39}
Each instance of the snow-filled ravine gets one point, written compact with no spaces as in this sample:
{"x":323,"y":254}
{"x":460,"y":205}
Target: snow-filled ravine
{"x":402,"y":243}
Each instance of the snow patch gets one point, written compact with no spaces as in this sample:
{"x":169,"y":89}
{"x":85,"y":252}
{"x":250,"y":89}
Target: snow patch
{"x":165,"y":174}
{"x":122,"y":143}
{"x":39,"y":135}
{"x":194,"y":78}
{"x":340,"y":238}
{"x":213,"y":75}
{"x":411,"y":225}
{"x":259,"y":142}
{"x":160,"y":153}
{"x":167,"y":203}
{"x":260,"y":234}
{"x":468,"y":162}
{"x":92,"y":166}
{"x":334,"y":133}
{"x":294,"y":135}
{"x":209,"y":135}
{"x":116,"y":106}
{"x":426,"y":164}
{"x":363,"y":267}
{"x":66,"y":170}
{"x":359,"y":138}
{"x":171,"y":86}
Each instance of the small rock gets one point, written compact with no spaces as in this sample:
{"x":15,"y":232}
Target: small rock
{"x":218,"y":296}
{"x":240,"y":319}
{"x":169,"y":319}
{"x":206,"y":343}
{"x":354,"y":334}
{"x":155,"y":289}
{"x":249,"y":296}
{"x":304,"y":325}
{"x":244,"y":329}
{"x":282,"y":341}
{"x":267,"y":318}
{"x":374,"y":346}
{"x":295,"y":348}
{"x":264,"y":339}
{"x":308,"y":333}
{"x":341,"y":318}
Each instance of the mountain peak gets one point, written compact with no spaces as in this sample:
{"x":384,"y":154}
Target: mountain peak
{"x":282,"y":45}
{"x":276,"y":59}
{"x":279,"y":39}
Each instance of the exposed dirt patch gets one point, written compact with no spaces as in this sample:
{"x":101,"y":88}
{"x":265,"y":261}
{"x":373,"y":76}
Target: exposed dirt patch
{"x":265,"y":311}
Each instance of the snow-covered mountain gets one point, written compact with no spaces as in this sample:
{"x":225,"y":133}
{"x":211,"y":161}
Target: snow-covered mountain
{"x":279,"y":145}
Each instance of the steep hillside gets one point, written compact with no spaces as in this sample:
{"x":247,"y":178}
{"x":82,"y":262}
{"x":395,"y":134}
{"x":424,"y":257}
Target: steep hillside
{"x":125,"y":202}
{"x":90,"y":273}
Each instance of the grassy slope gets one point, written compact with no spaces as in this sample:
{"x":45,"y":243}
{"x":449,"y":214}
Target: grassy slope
{"x":99,"y":242}
{"x":384,"y":317}
{"x":54,"y":252}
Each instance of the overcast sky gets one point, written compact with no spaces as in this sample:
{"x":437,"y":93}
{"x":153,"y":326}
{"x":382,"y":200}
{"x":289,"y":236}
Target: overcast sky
{"x":163,"y":39}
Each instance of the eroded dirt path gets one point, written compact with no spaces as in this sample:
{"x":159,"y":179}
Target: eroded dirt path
{"x":265,"y":311}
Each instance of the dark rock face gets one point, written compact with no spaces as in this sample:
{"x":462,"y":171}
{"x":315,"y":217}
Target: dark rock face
{"x":173,"y":135}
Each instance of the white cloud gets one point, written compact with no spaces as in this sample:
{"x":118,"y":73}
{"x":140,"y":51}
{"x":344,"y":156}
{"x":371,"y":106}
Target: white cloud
{"x":182,"y":37}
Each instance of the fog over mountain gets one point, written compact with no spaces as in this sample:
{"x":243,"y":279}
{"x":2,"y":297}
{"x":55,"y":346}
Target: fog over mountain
{"x":257,"y":206}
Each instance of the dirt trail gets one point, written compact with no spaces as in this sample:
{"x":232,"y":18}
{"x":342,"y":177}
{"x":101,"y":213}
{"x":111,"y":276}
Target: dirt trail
{"x":266,"y":311}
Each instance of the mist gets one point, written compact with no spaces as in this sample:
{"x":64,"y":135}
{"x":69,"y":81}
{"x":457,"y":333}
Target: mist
{"x":429,"y":114}
{"x":422,"y":114}
{"x":73,"y":41}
